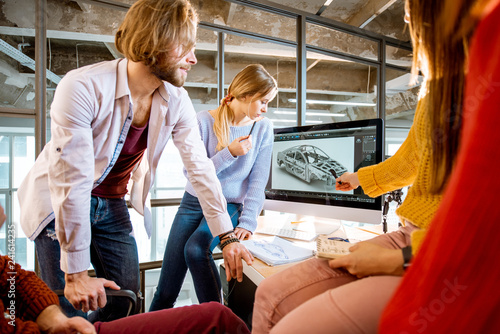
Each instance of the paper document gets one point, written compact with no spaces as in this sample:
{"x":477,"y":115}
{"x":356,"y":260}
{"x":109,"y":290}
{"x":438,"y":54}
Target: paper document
{"x":275,"y":251}
{"x":331,"y":249}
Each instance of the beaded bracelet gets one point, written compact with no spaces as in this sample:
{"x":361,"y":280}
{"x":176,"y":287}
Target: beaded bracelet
{"x":228,"y":241}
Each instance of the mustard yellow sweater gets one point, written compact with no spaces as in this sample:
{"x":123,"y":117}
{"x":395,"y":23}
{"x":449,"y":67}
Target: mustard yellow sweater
{"x":411,"y":165}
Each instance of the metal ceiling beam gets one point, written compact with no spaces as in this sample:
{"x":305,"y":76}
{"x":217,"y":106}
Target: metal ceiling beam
{"x":58,"y":34}
{"x":25,"y":60}
{"x":370,"y":11}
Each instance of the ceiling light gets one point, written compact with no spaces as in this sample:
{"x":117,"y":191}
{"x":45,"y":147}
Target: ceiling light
{"x":283,"y":120}
{"x":324,"y":114}
{"x":314,"y":122}
{"x":345,"y":103}
{"x":327,"y":3}
{"x":285,"y":112}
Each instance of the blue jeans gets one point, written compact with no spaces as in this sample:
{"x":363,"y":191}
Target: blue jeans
{"x":113,"y":253}
{"x":190,"y":246}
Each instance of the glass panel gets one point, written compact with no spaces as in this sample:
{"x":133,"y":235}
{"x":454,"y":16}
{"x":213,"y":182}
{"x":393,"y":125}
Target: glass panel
{"x":17,"y":145}
{"x":153,"y":249}
{"x":3,"y":229}
{"x":4,"y":161}
{"x":279,"y":61}
{"x":24,"y":158}
{"x":164,"y":218}
{"x":390,"y":22}
{"x":400,"y":103}
{"x":170,"y":179}
{"x":16,"y":54}
{"x":25,"y":248}
{"x":68,"y":54}
{"x":246,"y":18}
{"x":332,"y":98}
{"x":399,"y":57}
{"x":141,"y":237}
{"x":335,"y":40}
{"x":89,"y":38}
{"x":201,"y":82}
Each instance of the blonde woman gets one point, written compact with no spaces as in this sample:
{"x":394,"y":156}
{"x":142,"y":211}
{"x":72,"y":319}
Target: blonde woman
{"x":242,"y":162}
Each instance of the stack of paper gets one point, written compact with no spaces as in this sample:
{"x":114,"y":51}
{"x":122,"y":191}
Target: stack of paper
{"x":275,"y":251}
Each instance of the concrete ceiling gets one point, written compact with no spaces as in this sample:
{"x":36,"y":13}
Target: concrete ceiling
{"x":81,"y":32}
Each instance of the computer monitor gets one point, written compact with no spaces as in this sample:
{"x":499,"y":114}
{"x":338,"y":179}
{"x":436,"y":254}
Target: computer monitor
{"x":307,"y":159}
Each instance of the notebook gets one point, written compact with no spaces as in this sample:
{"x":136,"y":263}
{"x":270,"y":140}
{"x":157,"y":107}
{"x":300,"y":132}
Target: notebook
{"x":275,"y":250}
{"x":331,"y":249}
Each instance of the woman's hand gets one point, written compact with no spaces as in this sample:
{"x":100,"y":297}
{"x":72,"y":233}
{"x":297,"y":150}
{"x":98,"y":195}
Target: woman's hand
{"x":240,"y":146}
{"x":242,"y":234}
{"x":51,"y":320}
{"x":367,"y":259}
{"x":347,"y":181}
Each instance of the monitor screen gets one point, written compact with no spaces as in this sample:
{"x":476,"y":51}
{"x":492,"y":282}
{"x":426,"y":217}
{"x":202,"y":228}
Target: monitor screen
{"x":307,"y":159}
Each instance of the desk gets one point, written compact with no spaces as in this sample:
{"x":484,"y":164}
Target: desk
{"x":239,"y":297}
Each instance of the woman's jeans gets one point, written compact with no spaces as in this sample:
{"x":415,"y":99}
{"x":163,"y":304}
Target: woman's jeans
{"x":113,"y":253}
{"x":190,"y":246}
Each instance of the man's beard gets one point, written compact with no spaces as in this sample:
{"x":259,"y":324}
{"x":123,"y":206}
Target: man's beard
{"x":169,"y":73}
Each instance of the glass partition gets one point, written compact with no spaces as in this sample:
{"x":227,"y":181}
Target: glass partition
{"x":400,"y":103}
{"x":17,"y":155}
{"x":399,"y":57}
{"x":278,"y":60}
{"x":339,"y":90}
{"x":335,"y":40}
{"x":246,"y":18}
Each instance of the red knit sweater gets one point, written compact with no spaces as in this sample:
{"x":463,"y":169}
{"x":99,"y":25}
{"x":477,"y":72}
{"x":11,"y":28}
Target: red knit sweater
{"x":23,"y":297}
{"x":453,"y":285}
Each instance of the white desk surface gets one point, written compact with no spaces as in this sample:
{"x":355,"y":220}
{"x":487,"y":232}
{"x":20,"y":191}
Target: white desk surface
{"x":259,"y":270}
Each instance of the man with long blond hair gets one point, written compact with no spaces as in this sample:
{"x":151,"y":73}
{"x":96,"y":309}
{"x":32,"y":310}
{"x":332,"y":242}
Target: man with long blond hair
{"x":110,"y":124}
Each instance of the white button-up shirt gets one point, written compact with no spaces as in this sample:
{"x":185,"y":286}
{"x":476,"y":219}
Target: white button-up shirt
{"x":91,"y":115}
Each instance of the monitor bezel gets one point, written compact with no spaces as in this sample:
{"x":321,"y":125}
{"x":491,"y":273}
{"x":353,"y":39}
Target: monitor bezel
{"x":346,"y":210}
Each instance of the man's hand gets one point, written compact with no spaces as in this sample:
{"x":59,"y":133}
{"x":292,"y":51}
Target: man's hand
{"x":347,"y":181}
{"x":240,"y":146}
{"x":368,"y":259}
{"x":233,"y":253}
{"x":242,"y":234}
{"x":87,"y":293}
{"x":52,"y":320}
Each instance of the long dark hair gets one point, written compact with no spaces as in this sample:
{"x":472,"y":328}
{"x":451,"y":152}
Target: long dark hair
{"x":442,"y":58}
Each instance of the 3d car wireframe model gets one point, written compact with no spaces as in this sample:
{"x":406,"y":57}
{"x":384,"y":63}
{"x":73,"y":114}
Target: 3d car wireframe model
{"x":309,"y":163}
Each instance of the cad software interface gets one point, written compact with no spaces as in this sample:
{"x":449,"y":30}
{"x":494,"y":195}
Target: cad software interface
{"x":306,"y":163}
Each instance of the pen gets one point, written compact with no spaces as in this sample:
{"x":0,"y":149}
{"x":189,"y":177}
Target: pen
{"x":339,"y":239}
{"x":335,"y":175}
{"x":252,"y":128}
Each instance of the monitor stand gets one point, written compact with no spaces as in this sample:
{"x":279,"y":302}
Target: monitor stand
{"x":318,"y":225}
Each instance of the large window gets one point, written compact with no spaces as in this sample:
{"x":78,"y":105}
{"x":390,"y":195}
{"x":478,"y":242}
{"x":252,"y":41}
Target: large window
{"x":17,"y":154}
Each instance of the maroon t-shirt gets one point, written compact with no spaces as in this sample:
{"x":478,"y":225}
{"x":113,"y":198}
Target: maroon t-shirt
{"x":115,"y":184}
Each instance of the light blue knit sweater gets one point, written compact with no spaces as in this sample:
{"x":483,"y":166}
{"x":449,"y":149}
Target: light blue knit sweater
{"x":244,"y":178}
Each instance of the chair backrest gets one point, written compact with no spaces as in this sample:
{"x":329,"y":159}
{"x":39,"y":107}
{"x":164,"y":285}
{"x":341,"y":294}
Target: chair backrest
{"x":128,"y":294}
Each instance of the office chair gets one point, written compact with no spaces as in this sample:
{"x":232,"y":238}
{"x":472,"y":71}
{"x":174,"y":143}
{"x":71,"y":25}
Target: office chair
{"x":128,"y":294}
